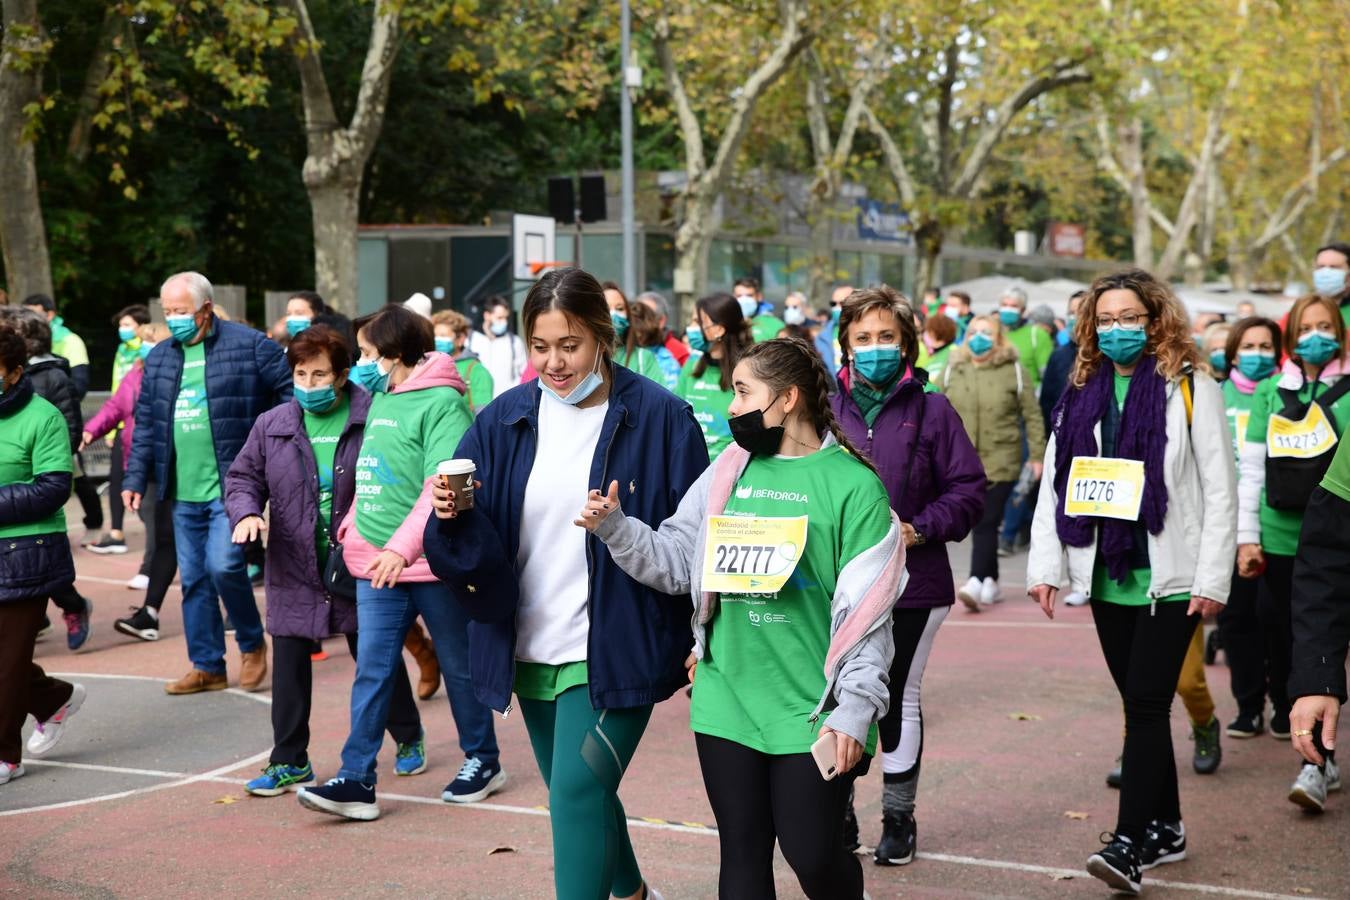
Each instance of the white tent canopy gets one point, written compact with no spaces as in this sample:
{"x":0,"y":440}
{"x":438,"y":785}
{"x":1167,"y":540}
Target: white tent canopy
{"x":985,"y":292}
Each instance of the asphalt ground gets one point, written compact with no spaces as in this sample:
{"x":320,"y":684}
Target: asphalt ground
{"x":144,"y":797}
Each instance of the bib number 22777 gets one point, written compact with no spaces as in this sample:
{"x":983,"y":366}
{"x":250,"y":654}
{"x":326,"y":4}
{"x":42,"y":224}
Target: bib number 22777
{"x":1110,"y":488}
{"x":747,"y":555}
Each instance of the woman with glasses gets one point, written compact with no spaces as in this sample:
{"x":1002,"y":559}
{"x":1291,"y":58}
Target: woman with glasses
{"x":1138,"y":478}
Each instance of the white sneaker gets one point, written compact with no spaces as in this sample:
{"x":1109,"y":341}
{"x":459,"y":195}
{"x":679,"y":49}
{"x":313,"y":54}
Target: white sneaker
{"x":46,"y":735}
{"x":970,"y":594}
{"x":990,"y":593}
{"x":1077,"y":598}
{"x":138,"y":582}
{"x":1311,"y":787}
{"x":10,"y":771}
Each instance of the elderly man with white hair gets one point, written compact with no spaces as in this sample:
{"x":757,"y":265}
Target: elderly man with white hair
{"x":200,"y":394}
{"x":1033,"y":344}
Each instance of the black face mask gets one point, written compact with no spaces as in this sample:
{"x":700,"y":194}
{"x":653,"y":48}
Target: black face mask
{"x":752,"y":435}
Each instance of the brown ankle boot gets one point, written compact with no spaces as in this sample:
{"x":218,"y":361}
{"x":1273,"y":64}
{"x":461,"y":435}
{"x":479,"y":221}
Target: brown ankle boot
{"x":195,"y":682}
{"x":253,"y":669}
{"x":419,"y":645}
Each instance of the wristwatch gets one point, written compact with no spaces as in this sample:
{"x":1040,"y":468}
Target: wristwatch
{"x":919,"y":537}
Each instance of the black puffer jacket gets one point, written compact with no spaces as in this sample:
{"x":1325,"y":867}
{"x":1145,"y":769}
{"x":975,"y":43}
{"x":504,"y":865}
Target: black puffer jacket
{"x":51,"y":380}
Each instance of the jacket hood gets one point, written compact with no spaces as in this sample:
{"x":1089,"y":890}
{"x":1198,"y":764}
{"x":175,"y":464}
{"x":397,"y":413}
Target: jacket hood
{"x":43,"y":363}
{"x":998,"y":356}
{"x":434,"y":370}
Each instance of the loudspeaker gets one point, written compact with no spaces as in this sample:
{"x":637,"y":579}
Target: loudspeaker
{"x":562,"y":201}
{"x":592,"y":198}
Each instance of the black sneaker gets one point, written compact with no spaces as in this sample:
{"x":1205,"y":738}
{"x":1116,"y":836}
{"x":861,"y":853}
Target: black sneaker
{"x":476,"y":781}
{"x":1246,"y":726}
{"x":341,"y":797}
{"x":140,"y":624}
{"x":1117,"y":864}
{"x":852,"y":840}
{"x":1163,"y":843}
{"x":1279,"y":726}
{"x":898,"y":837}
{"x":1113,"y":777}
{"x":107,"y":544}
{"x":1208,"y":753}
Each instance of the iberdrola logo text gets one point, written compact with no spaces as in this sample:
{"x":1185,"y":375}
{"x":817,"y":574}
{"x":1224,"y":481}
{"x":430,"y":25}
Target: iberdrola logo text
{"x":747,"y":492}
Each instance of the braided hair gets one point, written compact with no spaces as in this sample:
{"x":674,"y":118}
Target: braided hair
{"x":792,"y":362}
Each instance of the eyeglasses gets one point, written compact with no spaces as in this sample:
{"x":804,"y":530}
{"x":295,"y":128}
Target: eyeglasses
{"x":1125,"y":320}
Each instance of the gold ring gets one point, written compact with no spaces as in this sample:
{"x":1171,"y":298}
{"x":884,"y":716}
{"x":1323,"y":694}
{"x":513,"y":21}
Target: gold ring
{"x":1302,"y":733}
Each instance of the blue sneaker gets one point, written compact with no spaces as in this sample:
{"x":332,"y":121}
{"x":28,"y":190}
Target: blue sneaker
{"x":412,"y":758}
{"x":476,"y":781}
{"x":278,"y":778}
{"x":341,"y":797}
{"x":77,"y":625}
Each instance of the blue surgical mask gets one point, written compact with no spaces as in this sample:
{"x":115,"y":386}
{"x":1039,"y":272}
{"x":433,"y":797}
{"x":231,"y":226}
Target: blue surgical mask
{"x":371,"y":375}
{"x":183,"y":328}
{"x":877,"y":364}
{"x":749,"y":305}
{"x":1255,"y":364}
{"x":145,"y":348}
{"x":1316,"y":348}
{"x":1008,"y":317}
{"x":1122,"y":345}
{"x":316,"y":400}
{"x":1218,"y":360}
{"x":584,"y":389}
{"x":952,"y":313}
{"x":696,"y":339}
{"x":297,"y":324}
{"x":1328,"y":281}
{"x":620,"y":324}
{"x":980,"y":343}
{"x":794,"y":315}
{"x":1062,"y":337}
{"x":499,"y":327}
{"x":445,"y":345}
{"x":834,"y":315}
{"x":1071,"y":323}
{"x":126,"y":335}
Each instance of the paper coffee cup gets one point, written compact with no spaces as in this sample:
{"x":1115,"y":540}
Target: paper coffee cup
{"x":457,"y":475}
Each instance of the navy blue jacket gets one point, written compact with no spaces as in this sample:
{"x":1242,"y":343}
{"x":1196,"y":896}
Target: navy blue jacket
{"x":639,"y":638}
{"x":246,"y":375}
{"x":1055,"y":379}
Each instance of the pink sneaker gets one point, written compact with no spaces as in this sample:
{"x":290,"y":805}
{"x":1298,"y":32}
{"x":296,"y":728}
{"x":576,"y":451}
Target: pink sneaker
{"x":10,"y":771}
{"x":46,"y":735}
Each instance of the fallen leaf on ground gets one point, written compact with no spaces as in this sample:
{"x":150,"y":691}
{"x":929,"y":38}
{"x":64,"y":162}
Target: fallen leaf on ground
{"x":495,"y":850}
{"x":1061,"y":877}
{"x":1024,"y":717}
{"x":226,"y":800}
{"x":1299,"y":890}
{"x":1075,"y":815}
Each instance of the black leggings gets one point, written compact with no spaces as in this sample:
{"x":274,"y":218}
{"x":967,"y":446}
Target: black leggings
{"x":90,"y":502}
{"x":1272,"y":610}
{"x":1144,"y":650}
{"x":1244,"y":646}
{"x":293,"y":695}
{"x":984,"y":537}
{"x":116,"y":512}
{"x":161,"y":555}
{"x":757,"y":798}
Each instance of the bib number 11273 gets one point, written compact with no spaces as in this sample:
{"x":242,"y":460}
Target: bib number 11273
{"x":1101,"y":486}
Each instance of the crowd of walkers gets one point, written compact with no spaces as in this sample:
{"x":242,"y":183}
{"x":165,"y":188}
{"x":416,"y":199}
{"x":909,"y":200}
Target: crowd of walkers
{"x":550,"y":517}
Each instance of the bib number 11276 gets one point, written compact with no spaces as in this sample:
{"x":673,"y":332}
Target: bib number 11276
{"x":1101,"y":486}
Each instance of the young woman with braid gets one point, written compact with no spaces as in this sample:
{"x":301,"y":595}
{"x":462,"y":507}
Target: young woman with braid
{"x":793,"y":618}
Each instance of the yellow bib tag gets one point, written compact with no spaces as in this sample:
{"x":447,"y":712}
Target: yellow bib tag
{"x":1241,"y":419}
{"x":746,"y":555}
{"x":1305,"y":438}
{"x":1106,"y":487}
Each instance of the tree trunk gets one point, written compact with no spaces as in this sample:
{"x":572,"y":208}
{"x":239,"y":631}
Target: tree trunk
{"x":693,"y":241}
{"x":23,"y":235}
{"x":335,"y":207}
{"x":820,"y":270}
{"x":928,"y":237}
{"x":1132,"y":161}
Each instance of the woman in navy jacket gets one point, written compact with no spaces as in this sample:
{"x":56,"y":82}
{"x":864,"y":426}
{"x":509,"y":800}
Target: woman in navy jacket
{"x":586,"y":649}
{"x":936,"y":484}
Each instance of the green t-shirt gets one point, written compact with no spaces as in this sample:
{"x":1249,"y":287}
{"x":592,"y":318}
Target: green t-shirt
{"x":762,"y":674}
{"x":1337,"y":479}
{"x":34,"y":441}
{"x":1134,"y":592}
{"x":643,"y":362}
{"x":324,"y":430}
{"x":479,"y":380}
{"x":710,"y":403}
{"x":937,"y":364}
{"x":196,"y":473}
{"x":1034,"y":347}
{"x":1280,"y":527}
{"x":542,"y":681}
{"x":1239,"y":407}
{"x":406,"y":435}
{"x":766,"y":328}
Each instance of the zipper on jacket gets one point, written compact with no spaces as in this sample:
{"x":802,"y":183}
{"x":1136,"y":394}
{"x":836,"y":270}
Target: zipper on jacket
{"x":590,"y":572}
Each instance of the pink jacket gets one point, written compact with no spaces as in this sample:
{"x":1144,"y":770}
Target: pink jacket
{"x":435,"y":370}
{"x":120,"y":409}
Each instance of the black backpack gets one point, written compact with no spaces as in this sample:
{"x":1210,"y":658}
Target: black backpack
{"x":1289,"y":480}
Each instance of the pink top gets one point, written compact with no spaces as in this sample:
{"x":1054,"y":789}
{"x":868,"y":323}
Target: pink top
{"x":120,"y":409}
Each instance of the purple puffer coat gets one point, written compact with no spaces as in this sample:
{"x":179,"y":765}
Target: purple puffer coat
{"x":277,"y":464}
{"x":932,"y":474}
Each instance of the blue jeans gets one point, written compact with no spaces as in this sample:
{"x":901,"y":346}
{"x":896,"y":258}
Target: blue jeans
{"x":383,"y":618}
{"x":210,"y":565}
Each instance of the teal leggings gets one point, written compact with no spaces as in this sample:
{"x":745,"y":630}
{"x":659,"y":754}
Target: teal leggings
{"x":582,"y":754}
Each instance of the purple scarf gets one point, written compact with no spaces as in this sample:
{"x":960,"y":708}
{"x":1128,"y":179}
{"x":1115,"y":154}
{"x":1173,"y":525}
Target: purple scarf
{"x":1142,"y":435}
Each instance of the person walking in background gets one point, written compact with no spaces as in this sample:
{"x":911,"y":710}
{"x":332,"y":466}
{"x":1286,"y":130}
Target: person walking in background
{"x":764,"y":325}
{"x":992,"y":392}
{"x":302,"y":457}
{"x":718,"y":336}
{"x":629,"y":353}
{"x":1055,"y":379}
{"x":452,"y":338}
{"x":1214,"y":348}
{"x":939,"y":336}
{"x":498,"y":347}
{"x":1331,"y":276}
{"x":200,"y":394}
{"x":646,"y":328}
{"x":35,"y":468}
{"x":1032,"y":343}
{"x":936,"y":487}
{"x":957,"y":308}
{"x":65,"y":343}
{"x":673,"y":343}
{"x":1136,"y":411}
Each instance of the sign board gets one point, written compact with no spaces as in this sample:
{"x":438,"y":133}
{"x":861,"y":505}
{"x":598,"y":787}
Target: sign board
{"x":882,"y":222}
{"x":1067,"y":239}
{"x":532,"y":242}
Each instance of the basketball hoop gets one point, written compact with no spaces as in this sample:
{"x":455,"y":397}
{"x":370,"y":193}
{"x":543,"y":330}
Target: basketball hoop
{"x":537,"y":267}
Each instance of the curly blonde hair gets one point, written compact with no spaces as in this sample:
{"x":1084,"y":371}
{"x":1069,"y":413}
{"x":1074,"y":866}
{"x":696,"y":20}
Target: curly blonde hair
{"x":1168,"y":327}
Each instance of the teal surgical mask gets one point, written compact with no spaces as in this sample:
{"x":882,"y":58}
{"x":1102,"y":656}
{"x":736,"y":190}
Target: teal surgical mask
{"x":297,"y":324}
{"x":1009,"y":317}
{"x":1122,"y":345}
{"x":1316,"y":348}
{"x":316,"y":400}
{"x":696,"y":339}
{"x":1218,"y":360}
{"x":371,"y":375}
{"x":126,"y":335}
{"x":1255,"y":364}
{"x":620,"y":324}
{"x":145,"y":348}
{"x":879,"y":364}
{"x":445,"y":345}
{"x":980,"y":343}
{"x":183,"y":328}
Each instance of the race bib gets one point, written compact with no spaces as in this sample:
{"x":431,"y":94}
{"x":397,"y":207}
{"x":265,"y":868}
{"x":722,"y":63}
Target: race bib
{"x":1305,"y":438}
{"x":746,"y":555}
{"x":1101,"y":486}
{"x":1240,"y":421}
